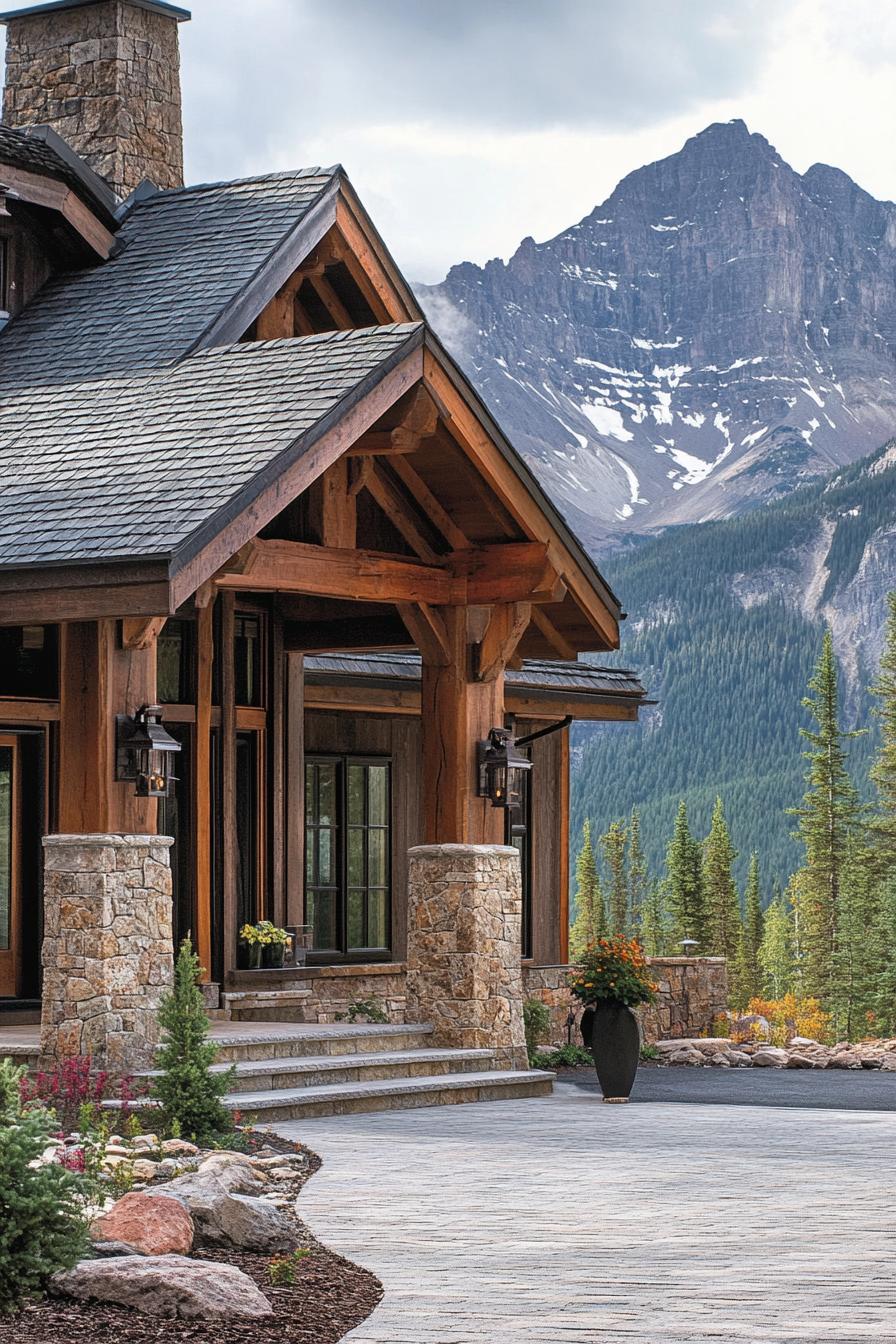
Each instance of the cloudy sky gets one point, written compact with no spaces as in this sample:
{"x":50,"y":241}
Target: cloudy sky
{"x":467,"y":124}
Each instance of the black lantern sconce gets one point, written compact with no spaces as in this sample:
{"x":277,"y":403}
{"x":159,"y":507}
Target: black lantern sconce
{"x":143,"y":752}
{"x":502,"y":767}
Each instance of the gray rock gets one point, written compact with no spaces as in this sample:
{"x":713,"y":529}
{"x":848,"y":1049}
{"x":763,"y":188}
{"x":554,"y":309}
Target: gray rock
{"x":798,"y":1061}
{"x":166,"y":1285}
{"x":739,"y":1059}
{"x":225,"y":1217}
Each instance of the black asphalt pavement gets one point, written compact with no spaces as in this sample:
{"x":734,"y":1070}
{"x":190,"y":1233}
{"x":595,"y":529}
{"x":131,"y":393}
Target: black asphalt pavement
{"x":816,"y":1089}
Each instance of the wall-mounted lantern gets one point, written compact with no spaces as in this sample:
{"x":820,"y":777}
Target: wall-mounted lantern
{"x":502,"y":767}
{"x":144,"y":751}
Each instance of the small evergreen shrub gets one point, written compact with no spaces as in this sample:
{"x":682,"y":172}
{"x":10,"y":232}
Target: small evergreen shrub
{"x":368,"y":1010}
{"x":537,"y":1022}
{"x":42,"y":1229}
{"x":187,"y":1090}
{"x":282,"y":1271}
{"x":564,"y":1057}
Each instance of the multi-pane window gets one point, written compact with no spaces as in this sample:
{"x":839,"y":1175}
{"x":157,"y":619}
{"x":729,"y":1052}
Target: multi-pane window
{"x":348,"y":843}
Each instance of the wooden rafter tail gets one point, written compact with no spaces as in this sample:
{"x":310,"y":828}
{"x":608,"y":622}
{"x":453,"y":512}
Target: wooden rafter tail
{"x":141,"y":632}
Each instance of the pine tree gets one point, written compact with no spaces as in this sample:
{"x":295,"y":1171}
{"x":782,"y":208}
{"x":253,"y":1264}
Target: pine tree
{"x":637,"y":872}
{"x":861,"y":955}
{"x":653,"y":930}
{"x":883,"y":936}
{"x":42,"y":1229}
{"x":827,"y":821}
{"x":776,"y":951}
{"x":747,"y":971}
{"x":188,"y":1091}
{"x":613,"y":844}
{"x":883,"y":771}
{"x":590,"y":923}
{"x":722,"y":904}
{"x":684,"y":878}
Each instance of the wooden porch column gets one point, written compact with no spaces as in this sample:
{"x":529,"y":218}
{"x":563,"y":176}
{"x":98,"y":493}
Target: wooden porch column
{"x":457,"y":712}
{"x":99,"y":679}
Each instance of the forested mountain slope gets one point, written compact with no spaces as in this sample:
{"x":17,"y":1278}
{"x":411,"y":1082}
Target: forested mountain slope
{"x":726,"y":628}
{"x":717,"y":332}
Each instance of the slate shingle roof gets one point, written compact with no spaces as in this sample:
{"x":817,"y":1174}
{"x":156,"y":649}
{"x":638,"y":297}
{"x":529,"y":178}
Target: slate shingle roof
{"x":535,"y":674}
{"x":34,"y":154}
{"x":132,"y":466}
{"x":186,"y":255}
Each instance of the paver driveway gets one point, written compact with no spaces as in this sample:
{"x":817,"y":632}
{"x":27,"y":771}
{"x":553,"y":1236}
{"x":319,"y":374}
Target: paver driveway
{"x":564,"y":1221}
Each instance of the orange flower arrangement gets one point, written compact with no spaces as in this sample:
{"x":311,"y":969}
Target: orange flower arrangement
{"x":613,"y":970}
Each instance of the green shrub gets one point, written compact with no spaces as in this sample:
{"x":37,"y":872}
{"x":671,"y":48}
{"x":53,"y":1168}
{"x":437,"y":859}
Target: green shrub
{"x":537,"y":1022}
{"x":565,"y":1057}
{"x":42,"y":1228}
{"x":649,"y":1052}
{"x":370,"y":1010}
{"x":282,"y":1271}
{"x":189,"y":1092}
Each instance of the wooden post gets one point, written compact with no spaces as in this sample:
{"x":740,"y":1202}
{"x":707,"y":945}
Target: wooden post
{"x":295,"y":788}
{"x":563,"y":856}
{"x":202,"y":785}
{"x":99,"y":680}
{"x":457,"y":712}
{"x":229,"y":856}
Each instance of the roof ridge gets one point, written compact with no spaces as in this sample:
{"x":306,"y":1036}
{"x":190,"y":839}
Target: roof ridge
{"x":284,"y":176}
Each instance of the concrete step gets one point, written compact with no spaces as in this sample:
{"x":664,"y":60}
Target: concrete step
{"x":302,"y":1103}
{"x":314,"y":1070}
{"x":238,"y":1042}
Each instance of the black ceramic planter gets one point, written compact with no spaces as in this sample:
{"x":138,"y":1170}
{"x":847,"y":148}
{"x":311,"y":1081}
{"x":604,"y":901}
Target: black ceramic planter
{"x":610,"y":1031}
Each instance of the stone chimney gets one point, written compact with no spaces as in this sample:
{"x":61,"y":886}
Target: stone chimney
{"x":105,"y":74}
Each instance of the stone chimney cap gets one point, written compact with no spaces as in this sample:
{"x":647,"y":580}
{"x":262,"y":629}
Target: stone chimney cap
{"x":155,"y":6}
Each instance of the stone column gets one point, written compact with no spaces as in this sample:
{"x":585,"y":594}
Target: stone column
{"x":107,"y":950}
{"x":464,"y":962}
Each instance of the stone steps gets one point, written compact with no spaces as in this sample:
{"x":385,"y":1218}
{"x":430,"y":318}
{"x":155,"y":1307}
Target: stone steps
{"x":399,"y":1094}
{"x":296,"y":1040}
{"x":313,"y":1070}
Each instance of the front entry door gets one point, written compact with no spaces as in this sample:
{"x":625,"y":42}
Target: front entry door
{"x":10,"y":866}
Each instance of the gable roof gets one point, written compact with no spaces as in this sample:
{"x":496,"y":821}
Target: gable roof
{"x":38,"y":149}
{"x":185,"y":257}
{"x":132,"y":466}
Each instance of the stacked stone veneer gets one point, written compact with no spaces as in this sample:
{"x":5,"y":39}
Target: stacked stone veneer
{"x":464,"y":973}
{"x":107,"y":951}
{"x":106,"y":77}
{"x":692,"y":993}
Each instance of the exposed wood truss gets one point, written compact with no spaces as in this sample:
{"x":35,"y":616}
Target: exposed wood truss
{"x":53,"y":195}
{"x":507,"y":625}
{"x":426,"y":625}
{"x":515,"y":572}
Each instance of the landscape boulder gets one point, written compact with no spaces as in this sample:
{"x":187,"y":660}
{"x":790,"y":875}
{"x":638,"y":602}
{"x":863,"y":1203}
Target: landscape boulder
{"x":223,"y":1217}
{"x":798,"y":1061}
{"x":686,"y":1055}
{"x":770,"y":1057}
{"x":147,"y":1225}
{"x":166,"y":1285}
{"x":845,"y":1059}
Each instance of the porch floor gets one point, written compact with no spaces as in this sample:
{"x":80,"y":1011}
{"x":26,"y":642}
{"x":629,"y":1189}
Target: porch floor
{"x":26,"y":1039}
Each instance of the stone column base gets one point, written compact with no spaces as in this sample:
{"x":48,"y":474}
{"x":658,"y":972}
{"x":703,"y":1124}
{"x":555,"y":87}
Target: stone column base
{"x":107,"y":950}
{"x":464,"y":958}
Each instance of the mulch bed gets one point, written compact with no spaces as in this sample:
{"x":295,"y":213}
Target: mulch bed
{"x":329,"y":1298}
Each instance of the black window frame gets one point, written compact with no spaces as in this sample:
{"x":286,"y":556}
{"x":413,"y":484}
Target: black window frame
{"x":341,"y":830}
{"x":523,"y":843}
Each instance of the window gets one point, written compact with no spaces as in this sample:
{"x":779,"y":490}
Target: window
{"x":4,"y":276}
{"x":518,"y":832}
{"x":247,"y":659}
{"x":348,"y":854}
{"x":174,"y":661}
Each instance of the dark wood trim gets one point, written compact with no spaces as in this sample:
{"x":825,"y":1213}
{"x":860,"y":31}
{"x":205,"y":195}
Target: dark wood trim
{"x":11,"y":958}
{"x":278,"y":773}
{"x":29,"y":711}
{"x":563,"y":856}
{"x":40,"y":607}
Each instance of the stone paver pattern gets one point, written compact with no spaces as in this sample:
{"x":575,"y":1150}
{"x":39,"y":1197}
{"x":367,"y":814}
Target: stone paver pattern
{"x":564,"y":1221}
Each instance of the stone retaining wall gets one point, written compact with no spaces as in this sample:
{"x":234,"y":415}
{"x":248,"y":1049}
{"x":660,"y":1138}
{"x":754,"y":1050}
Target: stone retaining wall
{"x":107,"y":950}
{"x":333,"y":990}
{"x":693,"y":991}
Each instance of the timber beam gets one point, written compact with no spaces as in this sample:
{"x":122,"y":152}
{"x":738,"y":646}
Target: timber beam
{"x":513,"y":572}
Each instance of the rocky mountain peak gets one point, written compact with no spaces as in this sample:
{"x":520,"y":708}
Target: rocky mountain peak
{"x":720,"y":329}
